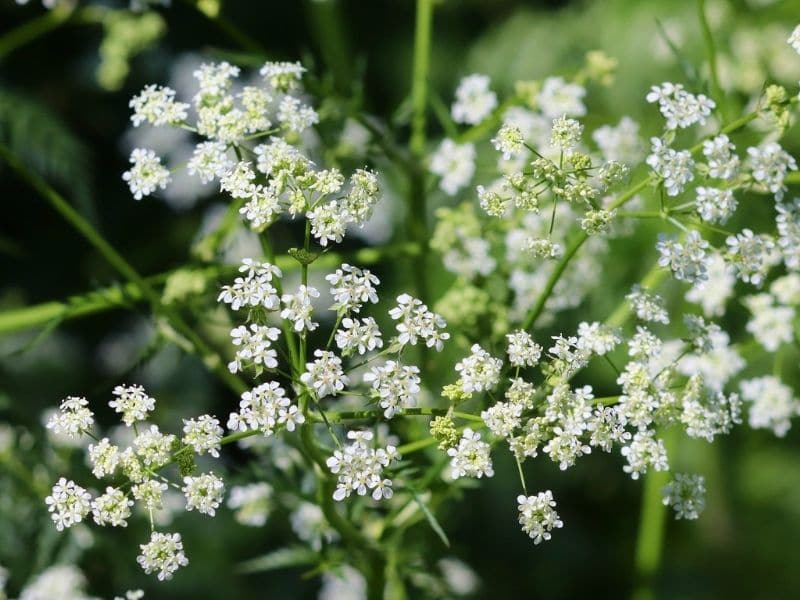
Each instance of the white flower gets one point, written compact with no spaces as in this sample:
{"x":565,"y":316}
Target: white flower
{"x":537,"y":515}
{"x":687,"y":259}
{"x":503,"y":418}
{"x":472,"y":457}
{"x":154,"y":447}
{"x":150,"y":493}
{"x":686,"y":495}
{"x":794,"y":39}
{"x":674,"y":167}
{"x":770,"y":164}
{"x":204,"y":493}
{"x":254,"y":346}
{"x":479,"y":371}
{"x":360,"y":336}
{"x":715,"y":291}
{"x":112,"y":508}
{"x":773,"y":404}
{"x":643,"y":452}
{"x":750,"y":255}
{"x":238,"y":180}
{"x":65,"y":582}
{"x":133,"y":402}
{"x":522,"y":350}
{"x":298,"y":308}
{"x":566,"y":134}
{"x":68,"y":502}
{"x":722,"y":162}
{"x":310,"y":525}
{"x":715,"y":205}
{"x":251,"y":502}
{"x":361,"y":198}
{"x":325,"y":376}
{"x":147,"y":173}
{"x":454,"y":163}
{"x":210,"y":161}
{"x":646,"y":306}
{"x":163,"y":553}
{"x":295,"y":115}
{"x":788,"y":223}
{"x":214,"y":79}
{"x":679,"y":107}
{"x":394,"y":386}
{"x":597,"y":338}
{"x":329,"y":222}
{"x":772,"y":325}
{"x":255,"y":289}
{"x":474,"y":100}
{"x":559,"y":98}
{"x":203,"y":434}
{"x":156,"y":105}
{"x":72,"y":418}
{"x":416,"y":321}
{"x":509,"y":141}
{"x":352,"y":288}
{"x":282,"y":76}
{"x":104,"y":458}
{"x":260,"y":408}
{"x":359,"y":468}
{"x":620,"y":143}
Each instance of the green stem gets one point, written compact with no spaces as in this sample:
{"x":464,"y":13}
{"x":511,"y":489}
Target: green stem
{"x":325,"y":19}
{"x":117,"y":296}
{"x":212,"y":360}
{"x":35,"y":28}
{"x":711,"y":54}
{"x":419,"y":84}
{"x":650,"y":541}
{"x":578,"y":241}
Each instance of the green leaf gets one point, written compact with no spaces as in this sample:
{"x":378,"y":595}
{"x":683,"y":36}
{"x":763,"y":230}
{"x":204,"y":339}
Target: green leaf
{"x":283,"y":558}
{"x":46,"y":145}
{"x":429,"y":516}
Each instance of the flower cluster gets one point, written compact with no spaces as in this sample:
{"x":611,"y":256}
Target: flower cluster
{"x":360,"y":467}
{"x":139,"y":465}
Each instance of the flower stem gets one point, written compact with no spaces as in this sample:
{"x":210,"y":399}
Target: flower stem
{"x":211,"y":359}
{"x":650,"y":541}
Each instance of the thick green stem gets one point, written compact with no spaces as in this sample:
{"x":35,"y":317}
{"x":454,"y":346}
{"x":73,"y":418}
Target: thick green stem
{"x":127,"y":294}
{"x":652,"y":524}
{"x":419,"y":84}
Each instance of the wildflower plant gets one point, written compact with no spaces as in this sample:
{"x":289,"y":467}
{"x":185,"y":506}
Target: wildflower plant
{"x":375,"y":406}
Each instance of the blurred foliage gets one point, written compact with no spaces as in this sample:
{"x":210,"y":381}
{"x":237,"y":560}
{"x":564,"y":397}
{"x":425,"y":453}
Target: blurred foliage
{"x":359,"y":54}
